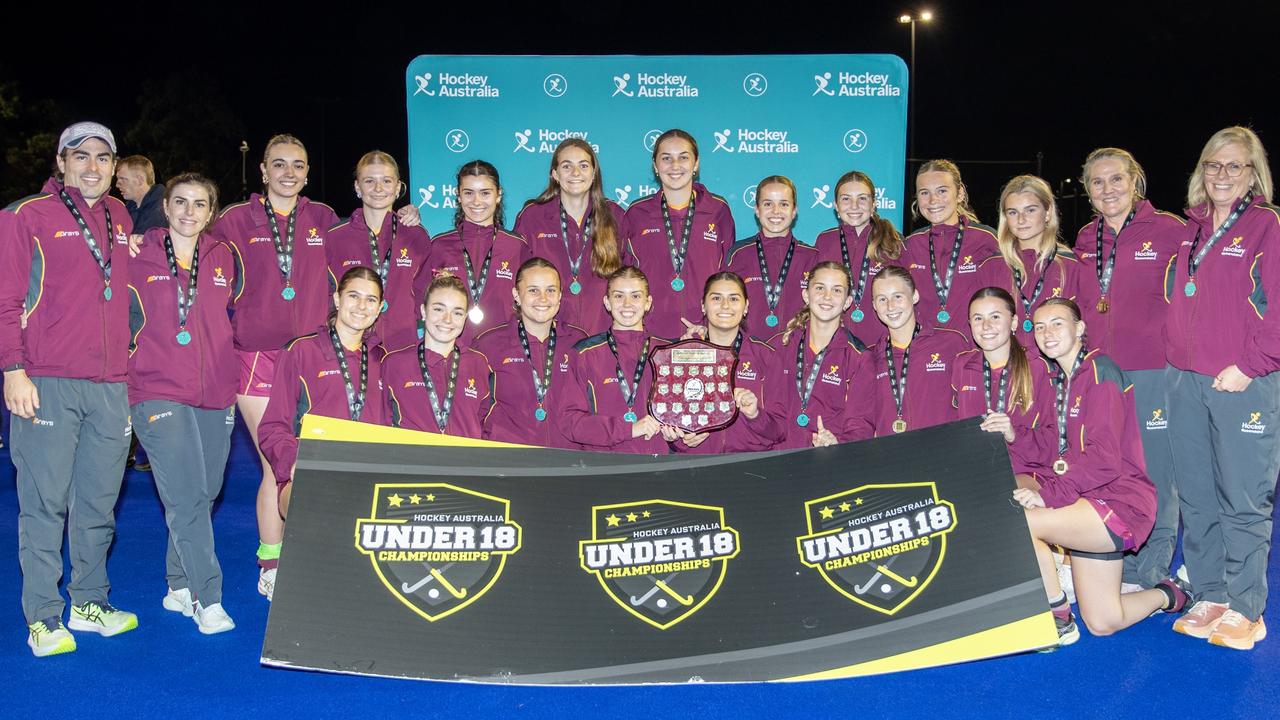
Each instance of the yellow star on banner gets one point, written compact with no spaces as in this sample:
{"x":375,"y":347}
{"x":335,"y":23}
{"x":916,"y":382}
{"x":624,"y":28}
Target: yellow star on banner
{"x":631,"y":517}
{"x":844,"y":506}
{"x":827,"y":513}
{"x":857,"y":501}
{"x":415,"y":499}
{"x":613,"y":520}
{"x":395,"y":500}
{"x":646,"y":513}
{"x":431,"y":497}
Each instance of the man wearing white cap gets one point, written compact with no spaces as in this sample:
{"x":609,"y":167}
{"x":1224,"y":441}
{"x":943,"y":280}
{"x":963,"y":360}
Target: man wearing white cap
{"x":64,"y":346}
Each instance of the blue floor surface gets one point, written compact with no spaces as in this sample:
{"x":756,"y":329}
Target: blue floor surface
{"x":167,"y":669}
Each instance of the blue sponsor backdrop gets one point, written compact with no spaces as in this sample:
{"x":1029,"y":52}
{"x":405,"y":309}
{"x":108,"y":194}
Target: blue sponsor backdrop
{"x":809,"y":117}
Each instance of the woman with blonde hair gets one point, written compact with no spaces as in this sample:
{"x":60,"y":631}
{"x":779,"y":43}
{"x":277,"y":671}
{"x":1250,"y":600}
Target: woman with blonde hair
{"x":1123,"y":253}
{"x":375,"y":237}
{"x":1032,"y":265}
{"x":944,"y":257}
{"x":1223,"y":350}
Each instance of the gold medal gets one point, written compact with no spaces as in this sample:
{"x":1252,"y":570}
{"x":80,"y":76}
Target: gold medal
{"x":899,"y":425}
{"x":1060,"y":466}
{"x":1103,"y":305}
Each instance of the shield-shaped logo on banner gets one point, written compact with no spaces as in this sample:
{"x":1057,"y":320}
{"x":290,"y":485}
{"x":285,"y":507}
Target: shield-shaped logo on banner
{"x":879,"y":545}
{"x":437,"y":547}
{"x":661,"y":560}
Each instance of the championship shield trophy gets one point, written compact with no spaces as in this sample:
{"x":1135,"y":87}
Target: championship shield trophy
{"x":693,"y":386}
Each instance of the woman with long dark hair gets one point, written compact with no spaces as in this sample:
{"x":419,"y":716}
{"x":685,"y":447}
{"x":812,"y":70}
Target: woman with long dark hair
{"x":578,"y":230}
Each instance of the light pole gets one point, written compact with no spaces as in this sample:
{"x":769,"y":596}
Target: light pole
{"x":909,"y":19}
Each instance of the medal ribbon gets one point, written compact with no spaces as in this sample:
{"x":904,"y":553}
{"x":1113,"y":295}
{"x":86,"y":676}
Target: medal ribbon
{"x":355,"y":401}
{"x":986,"y":386}
{"x":1195,"y":258}
{"x":628,"y":392}
{"x":944,"y":286}
{"x":862,"y":274}
{"x":1061,"y":388}
{"x":476,"y":285}
{"x":1104,"y":270}
{"x":187,"y":294}
{"x":773,"y":293}
{"x":284,"y":250}
{"x":898,"y":383}
{"x":677,"y":252}
{"x":574,"y":263}
{"x":804,"y":385}
{"x":104,"y":264}
{"x":385,"y":267}
{"x":541,"y":384}
{"x":440,"y":410}
{"x":1027,"y":303}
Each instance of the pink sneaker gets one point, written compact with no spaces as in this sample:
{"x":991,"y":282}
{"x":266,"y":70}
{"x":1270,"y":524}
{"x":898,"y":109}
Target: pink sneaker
{"x":1237,"y":631}
{"x":1201,"y":620}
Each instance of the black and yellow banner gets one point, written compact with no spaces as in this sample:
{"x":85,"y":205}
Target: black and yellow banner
{"x":416,"y":555}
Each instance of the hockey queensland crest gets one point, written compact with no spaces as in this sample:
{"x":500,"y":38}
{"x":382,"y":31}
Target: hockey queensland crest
{"x":878,"y":545}
{"x":661,"y":560}
{"x":437,"y":547}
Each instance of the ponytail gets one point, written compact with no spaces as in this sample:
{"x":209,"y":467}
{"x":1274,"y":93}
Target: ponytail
{"x":885,"y":242}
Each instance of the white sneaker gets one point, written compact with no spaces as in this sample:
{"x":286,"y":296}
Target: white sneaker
{"x":1065,"y":579}
{"x":267,"y":582}
{"x":213,"y":619}
{"x":178,"y":601}
{"x":1182,"y":575}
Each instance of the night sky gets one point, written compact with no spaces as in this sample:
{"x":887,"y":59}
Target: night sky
{"x":994,"y":81}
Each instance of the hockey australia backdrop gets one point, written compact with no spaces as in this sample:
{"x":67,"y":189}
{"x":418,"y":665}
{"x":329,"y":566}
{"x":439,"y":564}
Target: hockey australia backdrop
{"x":809,"y":117}
{"x":415,"y":555}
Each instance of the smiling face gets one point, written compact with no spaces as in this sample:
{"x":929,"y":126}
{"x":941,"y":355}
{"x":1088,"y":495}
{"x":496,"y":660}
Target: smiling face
{"x":724,"y":305}
{"x":189,"y":209}
{"x":894,"y":301}
{"x":991,"y":323}
{"x":1025,"y":216}
{"x":1222,"y":189}
{"x":627,"y":301}
{"x":828,"y":294}
{"x":938,"y":197}
{"x":285,"y":171}
{"x":88,"y":168}
{"x":1057,"y":332}
{"x":574,"y":171}
{"x":856,"y":203}
{"x":537,"y":292}
{"x":478,"y":196}
{"x":377,"y":185}
{"x":359,"y":302}
{"x":445,"y":314}
{"x":675,"y":163}
{"x":1111,"y":188}
{"x":775,"y":209}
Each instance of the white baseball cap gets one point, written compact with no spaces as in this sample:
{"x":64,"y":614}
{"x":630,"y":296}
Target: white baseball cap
{"x":76,"y":134}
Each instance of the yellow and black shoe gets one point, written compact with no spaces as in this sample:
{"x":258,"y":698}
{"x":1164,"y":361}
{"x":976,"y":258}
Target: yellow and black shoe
{"x":49,"y":637}
{"x":102,"y":619}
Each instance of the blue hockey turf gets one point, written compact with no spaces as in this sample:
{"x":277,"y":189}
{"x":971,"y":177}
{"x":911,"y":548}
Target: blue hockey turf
{"x":166,"y":669}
